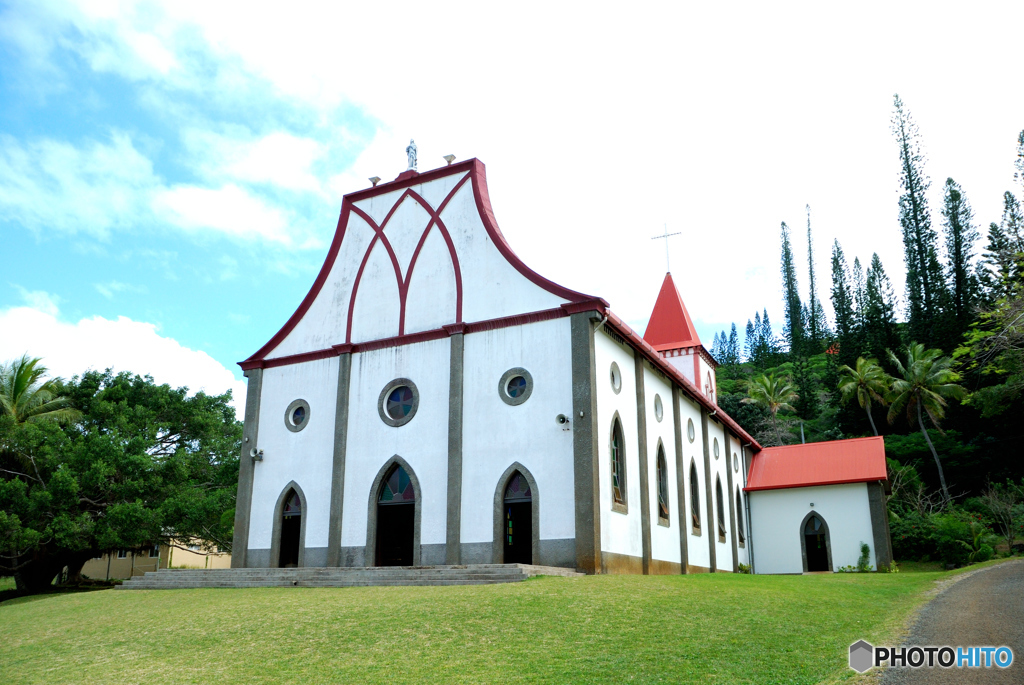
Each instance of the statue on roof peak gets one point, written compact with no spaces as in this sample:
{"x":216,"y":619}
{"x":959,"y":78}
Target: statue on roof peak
{"x":411,"y":152}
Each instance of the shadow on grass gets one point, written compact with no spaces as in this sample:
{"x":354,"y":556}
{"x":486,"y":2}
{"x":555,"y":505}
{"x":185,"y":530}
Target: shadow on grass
{"x":12,"y":597}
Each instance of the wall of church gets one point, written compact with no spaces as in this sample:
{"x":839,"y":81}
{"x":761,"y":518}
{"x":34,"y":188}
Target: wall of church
{"x":621,"y":532}
{"x":696,"y":545}
{"x":497,"y":435}
{"x":720,"y":463}
{"x":664,"y":534}
{"x":305,"y":456}
{"x":423,"y":442}
{"x":777,"y":516}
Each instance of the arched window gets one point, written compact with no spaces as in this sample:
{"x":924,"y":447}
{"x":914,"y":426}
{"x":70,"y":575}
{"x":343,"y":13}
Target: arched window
{"x":618,"y":464}
{"x":721,"y":509}
{"x":662,"y":468}
{"x":739,"y":517}
{"x":694,"y":499}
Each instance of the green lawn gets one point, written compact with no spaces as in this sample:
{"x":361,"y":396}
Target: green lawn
{"x":719,"y":628}
{"x":6,"y":583}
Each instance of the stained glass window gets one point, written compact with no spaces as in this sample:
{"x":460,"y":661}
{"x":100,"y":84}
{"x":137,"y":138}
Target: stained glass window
{"x":516,"y":387}
{"x":721,"y":508}
{"x":739,"y":515}
{"x":518,"y":489}
{"x":397,"y":488}
{"x":400,"y":402}
{"x":813,"y":526}
{"x":299,"y":415}
{"x":694,"y":497}
{"x":292,"y":505}
{"x":662,"y":484}
{"x":618,"y":467}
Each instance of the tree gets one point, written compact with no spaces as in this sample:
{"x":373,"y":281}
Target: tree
{"x":749,"y":340}
{"x":144,"y":464}
{"x":927,"y":381}
{"x":794,"y":329}
{"x":866,"y":381}
{"x":961,"y":236}
{"x":878,"y":318}
{"x":733,"y":346}
{"x":1003,"y":501}
{"x":925,"y":283}
{"x":842,"y":301}
{"x":773,"y":394}
{"x":817,"y":328}
{"x":25,"y":396}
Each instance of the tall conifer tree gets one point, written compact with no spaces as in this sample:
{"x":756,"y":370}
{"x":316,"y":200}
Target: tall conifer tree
{"x":749,"y":341}
{"x":842,"y":300}
{"x":961,"y":235}
{"x":925,"y":282}
{"x":794,"y":328}
{"x":879,"y":315}
{"x":733,"y":346}
{"x":859,"y":287}
{"x":817,"y":329}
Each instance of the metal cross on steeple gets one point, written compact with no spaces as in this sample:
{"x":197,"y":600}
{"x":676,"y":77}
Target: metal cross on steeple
{"x":665,"y":236}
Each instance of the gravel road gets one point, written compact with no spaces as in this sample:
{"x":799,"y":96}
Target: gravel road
{"x":986,"y":608}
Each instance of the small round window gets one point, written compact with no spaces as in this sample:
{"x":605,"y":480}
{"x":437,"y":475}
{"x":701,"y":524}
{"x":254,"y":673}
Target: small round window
{"x":716,"y":448}
{"x":616,"y":378}
{"x":735,"y":462}
{"x":398,"y":402}
{"x":296,"y":416}
{"x":690,"y":433}
{"x":515,"y":386}
{"x":659,"y":410}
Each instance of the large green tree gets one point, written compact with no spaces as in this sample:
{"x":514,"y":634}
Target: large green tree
{"x":925,"y":282}
{"x":842,"y":303}
{"x":773,"y":394}
{"x":867,"y":382}
{"x":794,"y":328}
{"x":961,"y":235}
{"x":926,"y":381}
{"x":817,"y":325}
{"x":144,"y":463}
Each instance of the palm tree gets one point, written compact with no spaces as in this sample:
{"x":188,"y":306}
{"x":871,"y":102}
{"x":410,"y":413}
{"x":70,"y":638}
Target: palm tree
{"x":26,"y":397}
{"x":928,"y":380}
{"x":868,"y":381}
{"x":773,"y":394}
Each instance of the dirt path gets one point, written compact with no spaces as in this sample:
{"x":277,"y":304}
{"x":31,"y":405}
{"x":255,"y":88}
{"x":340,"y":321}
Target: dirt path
{"x":984,"y":609}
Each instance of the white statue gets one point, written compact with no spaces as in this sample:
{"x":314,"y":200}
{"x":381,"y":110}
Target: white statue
{"x":411,"y":152}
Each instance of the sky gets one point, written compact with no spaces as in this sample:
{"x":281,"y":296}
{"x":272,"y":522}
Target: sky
{"x":171,"y":173}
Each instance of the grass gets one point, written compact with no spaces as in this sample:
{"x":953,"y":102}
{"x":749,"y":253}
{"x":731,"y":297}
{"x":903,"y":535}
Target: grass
{"x":719,"y":628}
{"x":6,"y":583}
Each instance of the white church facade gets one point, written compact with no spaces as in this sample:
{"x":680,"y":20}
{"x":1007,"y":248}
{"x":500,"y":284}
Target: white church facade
{"x":435,"y":401}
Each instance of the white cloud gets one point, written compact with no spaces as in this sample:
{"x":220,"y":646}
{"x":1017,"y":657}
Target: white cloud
{"x":111,"y":288}
{"x":69,"y":349}
{"x":41,"y":300}
{"x":278,"y":159}
{"x":229,"y":209}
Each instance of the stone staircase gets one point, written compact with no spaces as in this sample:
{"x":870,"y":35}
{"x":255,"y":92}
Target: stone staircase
{"x":474,"y":574}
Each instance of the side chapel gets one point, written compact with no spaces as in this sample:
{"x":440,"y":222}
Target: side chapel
{"x":435,"y":401}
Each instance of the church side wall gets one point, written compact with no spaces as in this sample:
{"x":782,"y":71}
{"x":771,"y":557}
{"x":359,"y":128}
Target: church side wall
{"x":777,"y":516}
{"x":739,"y":480}
{"x":699,"y":557}
{"x":664,"y":534}
{"x":621,"y":541}
{"x":497,"y":435}
{"x":304,"y":457}
{"x":719,"y":467}
{"x":422,"y":443}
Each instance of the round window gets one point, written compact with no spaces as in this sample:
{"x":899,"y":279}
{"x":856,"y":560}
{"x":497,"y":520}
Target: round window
{"x":659,"y":410}
{"x":735,"y":462}
{"x":690,"y":433}
{"x":616,"y":378}
{"x":515,"y":386}
{"x":716,"y":448}
{"x":398,"y":402}
{"x":296,"y":416}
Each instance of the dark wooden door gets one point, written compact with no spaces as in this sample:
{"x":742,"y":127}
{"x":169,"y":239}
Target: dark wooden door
{"x":519,"y":533}
{"x":291,"y":526}
{"x":817,"y":553}
{"x":395,"y":524}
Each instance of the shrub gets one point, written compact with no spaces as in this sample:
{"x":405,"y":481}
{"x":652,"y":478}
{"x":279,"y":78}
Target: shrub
{"x":984,"y":553}
{"x":865,"y":555}
{"x":961,"y":538}
{"x":912,"y":535}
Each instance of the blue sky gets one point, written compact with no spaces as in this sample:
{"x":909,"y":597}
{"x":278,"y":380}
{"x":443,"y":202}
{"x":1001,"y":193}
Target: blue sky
{"x":171,"y":173}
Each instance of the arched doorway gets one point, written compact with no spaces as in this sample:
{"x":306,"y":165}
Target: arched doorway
{"x":518,"y":528}
{"x":396,"y":519}
{"x":291,"y":530}
{"x":816,"y":544}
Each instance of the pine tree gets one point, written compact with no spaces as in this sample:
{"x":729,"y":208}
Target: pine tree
{"x":817,"y":329}
{"x":859,"y":287}
{"x":1004,"y":253}
{"x":733,"y":346}
{"x":880,"y":332}
{"x":768,"y":335}
{"x":842,"y":296}
{"x":794,"y":328}
{"x":925,"y":283}
{"x":749,"y":341}
{"x":961,"y":236}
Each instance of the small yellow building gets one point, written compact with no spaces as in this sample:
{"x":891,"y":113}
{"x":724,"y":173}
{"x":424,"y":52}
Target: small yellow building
{"x":125,"y":563}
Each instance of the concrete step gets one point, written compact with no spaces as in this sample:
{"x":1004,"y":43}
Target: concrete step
{"x":470,"y":574}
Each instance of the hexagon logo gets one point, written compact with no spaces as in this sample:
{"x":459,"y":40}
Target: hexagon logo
{"x":861,"y":654}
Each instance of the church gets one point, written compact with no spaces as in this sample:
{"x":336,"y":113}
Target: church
{"x":434,"y":401}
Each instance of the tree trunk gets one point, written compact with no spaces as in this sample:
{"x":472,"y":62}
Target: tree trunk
{"x":775,"y":425}
{"x":867,"y":409}
{"x":942,"y":477}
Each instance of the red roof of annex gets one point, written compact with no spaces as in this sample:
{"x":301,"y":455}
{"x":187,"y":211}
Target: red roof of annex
{"x":859,"y":460}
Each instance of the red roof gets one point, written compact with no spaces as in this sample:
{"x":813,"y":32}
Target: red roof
{"x":670,"y":326}
{"x":859,"y":460}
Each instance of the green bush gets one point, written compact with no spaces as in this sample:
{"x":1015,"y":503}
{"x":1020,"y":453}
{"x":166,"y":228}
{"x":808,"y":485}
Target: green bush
{"x":912,"y":536}
{"x":962,"y":538}
{"x":984,"y":553}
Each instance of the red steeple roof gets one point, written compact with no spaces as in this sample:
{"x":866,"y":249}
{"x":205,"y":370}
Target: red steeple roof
{"x":670,"y":326}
